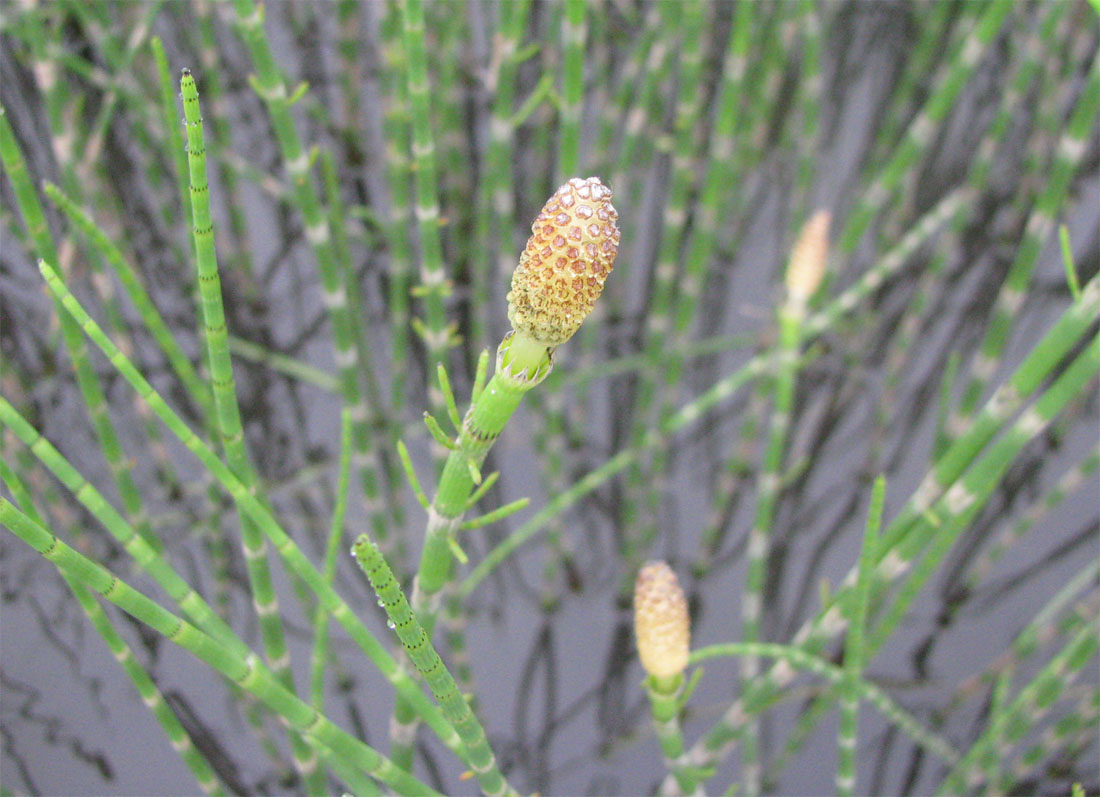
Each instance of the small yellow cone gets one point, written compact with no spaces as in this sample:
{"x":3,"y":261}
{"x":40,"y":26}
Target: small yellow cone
{"x":807,"y":264}
{"x":661,"y":621}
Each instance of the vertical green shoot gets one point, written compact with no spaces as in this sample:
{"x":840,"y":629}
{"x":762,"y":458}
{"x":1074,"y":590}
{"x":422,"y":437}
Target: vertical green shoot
{"x":228,"y":416}
{"x":270,"y":85}
{"x":318,"y":659}
{"x":853,"y":652}
{"x":1071,"y":150}
{"x":434,"y":286}
{"x":573,"y":33}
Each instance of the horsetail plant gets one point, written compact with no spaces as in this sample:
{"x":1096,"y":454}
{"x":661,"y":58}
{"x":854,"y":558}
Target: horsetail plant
{"x":561,"y":273}
{"x":663,"y":631}
{"x":1037,"y":696}
{"x":693,"y":410}
{"x":854,"y":655}
{"x":246,"y":671}
{"x":1040,"y":224}
{"x":150,"y":316}
{"x":1070,"y":481}
{"x":573,"y":32}
{"x":288,"y":550}
{"x":947,"y":517}
{"x":365,"y":192}
{"x":805,"y":273}
{"x":939,"y":525}
{"x":637,"y":148}
{"x":1073,"y":731}
{"x":659,"y":316}
{"x":701,"y":239}
{"x":792,"y":658}
{"x":398,"y":166}
{"x":332,"y":548}
{"x":494,"y":222}
{"x":918,"y":136}
{"x":434,"y":286}
{"x":550,"y":437}
{"x":548,"y":301}
{"x":229,"y":418}
{"x":151,"y":696}
{"x":961,"y":504}
{"x":90,"y":388}
{"x":271,"y":87}
{"x":978,"y":176}
{"x":894,"y":558}
{"x":1044,"y":629}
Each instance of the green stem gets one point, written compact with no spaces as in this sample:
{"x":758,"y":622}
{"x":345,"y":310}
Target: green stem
{"x":150,"y":316}
{"x":147,"y":689}
{"x":903,"y":539}
{"x":481,"y":427}
{"x":1041,"y":222}
{"x":228,"y":416}
{"x":1067,"y":484}
{"x":573,"y":32}
{"x":800,"y":659}
{"x":247,"y":672}
{"x":434,"y":285}
{"x":291,"y":554}
{"x":431,"y":668}
{"x":639,"y":525}
{"x":332,"y":548}
{"x":1014,"y":722}
{"x":269,"y":84}
{"x":91,"y":391}
{"x":919,"y":137}
{"x":790,"y":318}
{"x":483,"y":424}
{"x":170,"y":114}
{"x":937,"y":527}
{"x":665,"y":702}
{"x":854,"y":654}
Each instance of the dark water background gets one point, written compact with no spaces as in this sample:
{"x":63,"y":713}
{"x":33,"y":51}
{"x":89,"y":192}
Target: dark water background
{"x":559,"y":694}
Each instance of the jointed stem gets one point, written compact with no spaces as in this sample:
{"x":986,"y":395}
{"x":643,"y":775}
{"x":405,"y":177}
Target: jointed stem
{"x":665,"y":696}
{"x":291,"y":554}
{"x":433,"y":282}
{"x":481,"y":427}
{"x":918,"y":137}
{"x":926,"y":520}
{"x":790,"y":333}
{"x":269,"y":84}
{"x":841,"y":306}
{"x":229,"y":418}
{"x":1070,"y":151}
{"x":248,"y":672}
{"x":318,"y":660}
{"x":798,"y":658}
{"x":90,"y":389}
{"x":150,"y":695}
{"x":856,"y":612}
{"x":430,"y":666}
